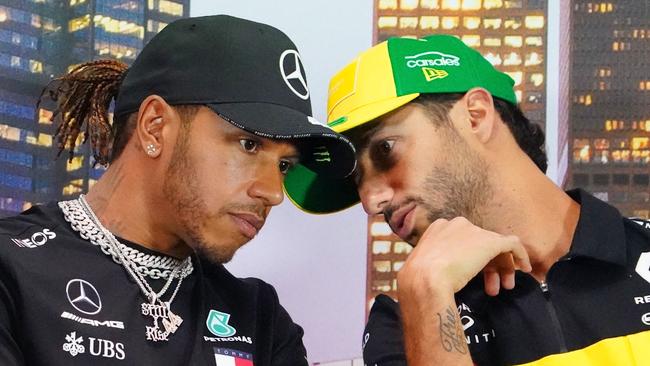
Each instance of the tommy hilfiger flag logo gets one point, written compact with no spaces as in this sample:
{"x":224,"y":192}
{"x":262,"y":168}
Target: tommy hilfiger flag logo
{"x":229,"y":357}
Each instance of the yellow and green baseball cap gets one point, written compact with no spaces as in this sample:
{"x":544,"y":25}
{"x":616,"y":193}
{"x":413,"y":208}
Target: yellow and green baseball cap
{"x":382,"y":79}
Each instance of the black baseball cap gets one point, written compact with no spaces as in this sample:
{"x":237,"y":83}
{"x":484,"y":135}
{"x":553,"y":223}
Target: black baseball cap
{"x":249,"y":73}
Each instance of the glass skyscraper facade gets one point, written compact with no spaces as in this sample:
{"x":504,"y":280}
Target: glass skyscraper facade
{"x":610,"y":102}
{"x":40,"y":39}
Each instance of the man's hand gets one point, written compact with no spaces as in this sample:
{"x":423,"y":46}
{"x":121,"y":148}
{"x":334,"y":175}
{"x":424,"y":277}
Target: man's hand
{"x":448,"y":255}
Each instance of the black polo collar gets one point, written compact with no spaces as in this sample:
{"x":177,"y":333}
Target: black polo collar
{"x":600,"y":233}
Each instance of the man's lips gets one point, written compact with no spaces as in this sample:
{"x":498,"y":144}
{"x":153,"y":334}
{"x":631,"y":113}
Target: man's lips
{"x":401,"y":221}
{"x":249,"y":224}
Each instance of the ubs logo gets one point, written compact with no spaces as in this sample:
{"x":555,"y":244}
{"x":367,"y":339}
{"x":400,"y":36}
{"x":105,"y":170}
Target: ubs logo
{"x":83,"y":296}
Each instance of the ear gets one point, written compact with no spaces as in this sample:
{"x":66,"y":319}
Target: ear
{"x":481,"y":113}
{"x":154,"y":115}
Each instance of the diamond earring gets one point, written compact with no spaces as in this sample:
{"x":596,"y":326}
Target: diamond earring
{"x":151,"y":149}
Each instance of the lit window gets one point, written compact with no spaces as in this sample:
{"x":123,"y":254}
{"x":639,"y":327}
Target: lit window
{"x":402,"y":248}
{"x":91,"y":183}
{"x":388,"y":4}
{"x":511,"y":59}
{"x":408,"y":4}
{"x":111,"y":25}
{"x":512,"y":23}
{"x":380,"y":247}
{"x":387,"y":22}
{"x":534,"y":22}
{"x":3,"y":15}
{"x":429,"y":22}
{"x":513,"y":41}
{"x":451,"y":4}
{"x":472,"y":40}
{"x":534,"y":41}
{"x":513,"y":4}
{"x":15,"y":61}
{"x":494,"y":59}
{"x":537,"y":79}
{"x":76,"y":163}
{"x":382,"y":266}
{"x":380,"y":229}
{"x":450,"y":22}
{"x":79,"y":23}
{"x":471,"y":4}
{"x":35,"y":67}
{"x":429,"y":4}
{"x":471,"y":22}
{"x":639,"y":143}
{"x":533,"y":59}
{"x":518,"y":95}
{"x":408,"y":22}
{"x":492,"y":23}
{"x":44,"y":116}
{"x":155,"y":26}
{"x":492,"y":4}
{"x":517,"y":76}
{"x":492,"y":42}
{"x":397,"y":266}
{"x":9,"y":133}
{"x":44,"y":139}
{"x":600,"y":144}
{"x":170,"y":7}
{"x":381,"y":285}
{"x":77,"y":2}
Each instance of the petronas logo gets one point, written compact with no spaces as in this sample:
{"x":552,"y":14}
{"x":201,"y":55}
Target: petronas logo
{"x":217,"y":324}
{"x":432,"y":74}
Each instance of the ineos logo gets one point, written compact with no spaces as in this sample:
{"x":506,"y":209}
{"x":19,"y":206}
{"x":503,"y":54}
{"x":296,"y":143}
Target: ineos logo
{"x":83,"y":296}
{"x":293,"y":73}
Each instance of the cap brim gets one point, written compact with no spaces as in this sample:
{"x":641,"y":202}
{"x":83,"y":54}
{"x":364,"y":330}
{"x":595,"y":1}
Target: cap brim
{"x":322,"y":150}
{"x":318,"y":194}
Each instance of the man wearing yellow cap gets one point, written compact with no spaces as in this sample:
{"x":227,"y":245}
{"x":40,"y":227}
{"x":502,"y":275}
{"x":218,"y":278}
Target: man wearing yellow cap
{"x":507,"y":268}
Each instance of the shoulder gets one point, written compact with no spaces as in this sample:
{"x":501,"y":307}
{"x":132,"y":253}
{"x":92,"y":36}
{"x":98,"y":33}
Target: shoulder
{"x":248,"y":289}
{"x":382,"y":338}
{"x":637,"y":232}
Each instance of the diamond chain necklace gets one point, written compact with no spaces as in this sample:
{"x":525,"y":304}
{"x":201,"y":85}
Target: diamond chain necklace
{"x":83,"y":220}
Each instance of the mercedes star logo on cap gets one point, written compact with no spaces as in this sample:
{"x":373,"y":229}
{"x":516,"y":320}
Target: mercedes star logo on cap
{"x":83,"y":296}
{"x":293,"y":73}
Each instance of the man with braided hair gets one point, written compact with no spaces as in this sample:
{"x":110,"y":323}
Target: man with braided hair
{"x":208,"y":120}
{"x":507,"y":268}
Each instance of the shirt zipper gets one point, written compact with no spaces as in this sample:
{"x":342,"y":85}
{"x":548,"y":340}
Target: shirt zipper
{"x":555,"y":321}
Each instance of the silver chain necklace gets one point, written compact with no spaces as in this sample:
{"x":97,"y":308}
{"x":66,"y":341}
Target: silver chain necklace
{"x":83,"y":220}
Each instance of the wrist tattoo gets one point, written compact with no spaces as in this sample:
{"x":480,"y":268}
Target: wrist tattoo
{"x":452,"y":335}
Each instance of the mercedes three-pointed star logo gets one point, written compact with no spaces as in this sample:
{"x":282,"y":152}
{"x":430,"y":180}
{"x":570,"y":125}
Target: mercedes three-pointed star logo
{"x":83,"y":296}
{"x":293,"y":73}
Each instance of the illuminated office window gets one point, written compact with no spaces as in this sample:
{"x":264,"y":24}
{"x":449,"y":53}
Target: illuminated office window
{"x":471,"y":22}
{"x":408,"y":22}
{"x":35,"y":67}
{"x":76,"y":163}
{"x":513,"y":4}
{"x":79,"y":23}
{"x":494,"y":58}
{"x":492,"y":23}
{"x":402,"y":248}
{"x":429,"y":4}
{"x":397,"y":265}
{"x":518,"y":95}
{"x":512,"y":23}
{"x":640,"y":143}
{"x":77,"y":2}
{"x":471,"y":4}
{"x":111,"y":25}
{"x":534,"y":22}
{"x":75,"y":186}
{"x":491,"y":42}
{"x":472,"y":40}
{"x":534,"y":41}
{"x":644,"y":85}
{"x":533,"y":59}
{"x":382,"y":266}
{"x":450,"y":22}
{"x":154,"y":26}
{"x":517,"y":76}
{"x":387,"y":22}
{"x":537,"y":79}
{"x":513,"y":41}
{"x":604,"y":72}
{"x":381,"y":247}
{"x":429,"y":22}
{"x":380,"y":229}
{"x":388,"y":4}
{"x":492,"y":4}
{"x":512,"y":59}
{"x":44,"y":116}
{"x":451,"y":4}
{"x":408,"y":4}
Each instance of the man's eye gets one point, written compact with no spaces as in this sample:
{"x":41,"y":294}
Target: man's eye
{"x":249,"y":145}
{"x":386,"y":146}
{"x":285,"y":166}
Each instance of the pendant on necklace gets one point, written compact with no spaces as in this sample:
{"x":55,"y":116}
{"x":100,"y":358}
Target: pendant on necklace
{"x":170,"y":321}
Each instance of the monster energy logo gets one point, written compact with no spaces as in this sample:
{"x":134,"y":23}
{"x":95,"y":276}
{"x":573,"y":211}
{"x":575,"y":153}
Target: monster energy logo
{"x":217,"y":324}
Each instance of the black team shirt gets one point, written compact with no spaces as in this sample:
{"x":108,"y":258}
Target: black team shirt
{"x":594,"y":308}
{"x":64,"y":302}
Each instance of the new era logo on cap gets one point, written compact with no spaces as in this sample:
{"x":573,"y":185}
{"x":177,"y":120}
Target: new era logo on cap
{"x":229,"y":357}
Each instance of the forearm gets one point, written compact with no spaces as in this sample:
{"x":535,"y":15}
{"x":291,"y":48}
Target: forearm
{"x":433,"y":332}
